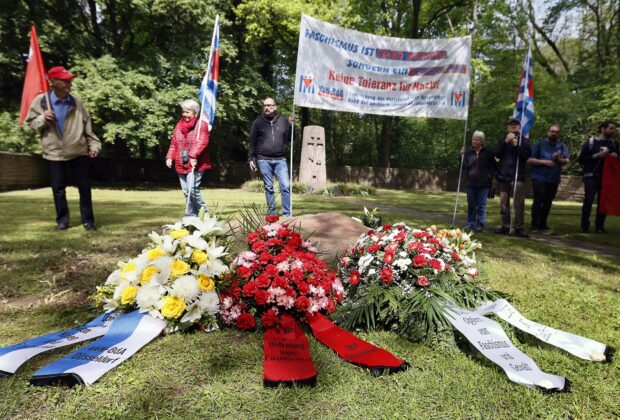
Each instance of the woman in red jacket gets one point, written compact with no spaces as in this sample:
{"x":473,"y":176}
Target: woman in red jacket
{"x":188,"y":151}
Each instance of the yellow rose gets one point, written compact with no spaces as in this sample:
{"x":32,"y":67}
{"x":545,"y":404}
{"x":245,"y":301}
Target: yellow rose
{"x":179,"y":268}
{"x":153,"y":254}
{"x":147,"y":274}
{"x":173,"y":307}
{"x":129,"y":295}
{"x":199,"y":257}
{"x":179,"y":233}
{"x":206,"y":283}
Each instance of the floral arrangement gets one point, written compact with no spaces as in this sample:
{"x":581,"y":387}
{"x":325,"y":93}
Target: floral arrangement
{"x":280,"y":272}
{"x":403,"y":278}
{"x":175,"y":277}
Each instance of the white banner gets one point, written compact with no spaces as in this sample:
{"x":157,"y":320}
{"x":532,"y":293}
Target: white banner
{"x":126,"y":336}
{"x":491,"y":340}
{"x":344,"y":70}
{"x":582,"y":347}
{"x":12,"y":357}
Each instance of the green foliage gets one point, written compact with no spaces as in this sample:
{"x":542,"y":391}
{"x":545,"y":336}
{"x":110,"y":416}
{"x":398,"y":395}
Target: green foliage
{"x":14,"y":138}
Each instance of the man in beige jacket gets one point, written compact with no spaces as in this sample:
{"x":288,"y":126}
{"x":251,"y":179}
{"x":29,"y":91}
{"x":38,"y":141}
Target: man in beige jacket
{"x":67,"y":142}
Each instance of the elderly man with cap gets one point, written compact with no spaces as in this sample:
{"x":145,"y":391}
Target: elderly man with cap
{"x":513,"y":153}
{"x":67,"y":143}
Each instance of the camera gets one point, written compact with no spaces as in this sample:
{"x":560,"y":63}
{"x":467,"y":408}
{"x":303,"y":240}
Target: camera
{"x":184,"y":156}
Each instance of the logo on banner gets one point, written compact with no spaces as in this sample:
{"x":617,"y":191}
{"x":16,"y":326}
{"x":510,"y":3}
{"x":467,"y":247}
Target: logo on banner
{"x":457,"y":98}
{"x":331,"y":92}
{"x":306,"y":84}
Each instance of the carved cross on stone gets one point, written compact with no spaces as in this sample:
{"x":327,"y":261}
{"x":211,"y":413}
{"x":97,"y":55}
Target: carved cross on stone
{"x":312,"y":169}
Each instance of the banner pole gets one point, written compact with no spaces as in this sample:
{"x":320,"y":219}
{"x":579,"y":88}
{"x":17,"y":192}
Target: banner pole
{"x":513,"y":208}
{"x":291,"y":164}
{"x":458,"y":185}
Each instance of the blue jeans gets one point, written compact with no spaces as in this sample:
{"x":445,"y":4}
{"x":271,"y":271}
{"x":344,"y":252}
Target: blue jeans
{"x":196,"y":201}
{"x":477,"y":207}
{"x":278,"y":167}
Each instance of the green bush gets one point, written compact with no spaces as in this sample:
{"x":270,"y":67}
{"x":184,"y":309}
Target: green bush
{"x":340,"y":188}
{"x":16,"y":139}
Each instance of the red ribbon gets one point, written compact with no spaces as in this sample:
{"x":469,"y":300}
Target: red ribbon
{"x":353,"y":349}
{"x":287,"y":357}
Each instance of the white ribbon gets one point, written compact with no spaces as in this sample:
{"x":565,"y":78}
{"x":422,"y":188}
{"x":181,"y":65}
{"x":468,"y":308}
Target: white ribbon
{"x":491,"y":340}
{"x":582,"y":347}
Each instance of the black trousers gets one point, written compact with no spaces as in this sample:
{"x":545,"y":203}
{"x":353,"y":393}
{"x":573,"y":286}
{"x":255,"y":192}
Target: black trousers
{"x":544,"y":193}
{"x":71,"y":172}
{"x":592,"y":188}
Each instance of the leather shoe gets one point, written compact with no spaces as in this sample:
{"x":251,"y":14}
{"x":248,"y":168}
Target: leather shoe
{"x":521,"y":233}
{"x":89,"y":226}
{"x":62,"y":226}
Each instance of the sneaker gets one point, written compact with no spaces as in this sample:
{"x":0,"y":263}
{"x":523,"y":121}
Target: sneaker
{"x":601,"y":230}
{"x":521,"y":233}
{"x":502,"y":230}
{"x":478,"y":228}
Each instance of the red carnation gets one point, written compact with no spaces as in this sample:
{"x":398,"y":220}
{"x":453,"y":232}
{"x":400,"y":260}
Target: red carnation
{"x":423,"y":281}
{"x":244,"y":272}
{"x":374,"y":248}
{"x":245,"y":321}
{"x":386,"y":275}
{"x":250,"y":289}
{"x":269,"y":319}
{"x":388,"y":258}
{"x":274,"y":242}
{"x":419,"y":261}
{"x":386,"y":227}
{"x":456,"y":256}
{"x":265,"y":258}
{"x":252,"y":237}
{"x":400,"y":237}
{"x":261,"y":296}
{"x":331,"y":306}
{"x":302,"y":303}
{"x":436,"y":264}
{"x":259,"y":246}
{"x":263,"y":281}
{"x":272,"y":218}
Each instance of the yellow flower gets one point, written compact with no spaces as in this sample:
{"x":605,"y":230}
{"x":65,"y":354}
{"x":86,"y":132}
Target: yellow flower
{"x":153,"y":254}
{"x":199,"y":257}
{"x":147,"y":274}
{"x":179,"y":267}
{"x":173,"y":307}
{"x":179,"y":233}
{"x":129,"y":295}
{"x":206,"y":283}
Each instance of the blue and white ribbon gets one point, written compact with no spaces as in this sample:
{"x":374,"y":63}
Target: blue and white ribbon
{"x":12,"y":357}
{"x":126,"y":336}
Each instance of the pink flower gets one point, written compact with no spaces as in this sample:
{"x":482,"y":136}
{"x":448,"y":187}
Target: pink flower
{"x":423,"y":281}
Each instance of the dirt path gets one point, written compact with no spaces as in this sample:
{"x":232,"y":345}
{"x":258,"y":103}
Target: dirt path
{"x":546,"y":238}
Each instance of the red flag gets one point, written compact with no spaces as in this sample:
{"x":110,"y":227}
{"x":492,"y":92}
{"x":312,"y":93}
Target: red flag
{"x":610,"y":187}
{"x":35,"y":82}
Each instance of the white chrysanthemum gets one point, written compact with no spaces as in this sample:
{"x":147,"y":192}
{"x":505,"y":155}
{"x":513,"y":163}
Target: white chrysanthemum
{"x":185,"y":287}
{"x":209,"y":302}
{"x":110,"y":304}
{"x":364,"y":262}
{"x":148,"y":298}
{"x":402,"y":263}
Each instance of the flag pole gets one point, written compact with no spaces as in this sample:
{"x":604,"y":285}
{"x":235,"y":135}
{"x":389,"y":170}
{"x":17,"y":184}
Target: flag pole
{"x":526,"y":92}
{"x":290,"y":194}
{"x":458,"y":185}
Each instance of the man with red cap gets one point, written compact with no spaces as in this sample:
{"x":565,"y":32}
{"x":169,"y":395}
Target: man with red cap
{"x":67,"y":143}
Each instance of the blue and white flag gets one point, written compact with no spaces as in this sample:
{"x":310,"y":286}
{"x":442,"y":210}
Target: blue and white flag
{"x":12,"y":357}
{"x":524,"y":106}
{"x":126,"y":336}
{"x":208,"y":88}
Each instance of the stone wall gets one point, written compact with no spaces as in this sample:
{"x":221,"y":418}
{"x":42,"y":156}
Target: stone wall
{"x":19,"y":171}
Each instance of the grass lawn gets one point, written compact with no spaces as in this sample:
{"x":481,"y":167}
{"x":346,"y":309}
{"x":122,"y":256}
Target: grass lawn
{"x":45,"y":277}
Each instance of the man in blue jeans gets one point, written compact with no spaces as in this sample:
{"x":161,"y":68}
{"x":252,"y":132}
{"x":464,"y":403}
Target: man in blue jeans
{"x":267,"y":152}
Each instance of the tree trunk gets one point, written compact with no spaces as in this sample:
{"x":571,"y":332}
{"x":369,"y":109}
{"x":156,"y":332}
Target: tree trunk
{"x":415,"y":19}
{"x":385,"y":141}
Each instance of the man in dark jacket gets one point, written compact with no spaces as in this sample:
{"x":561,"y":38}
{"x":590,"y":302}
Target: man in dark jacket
{"x":479,"y":165}
{"x":548,"y":157}
{"x":512,"y":152}
{"x":267,"y":152}
{"x":592,"y":156}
